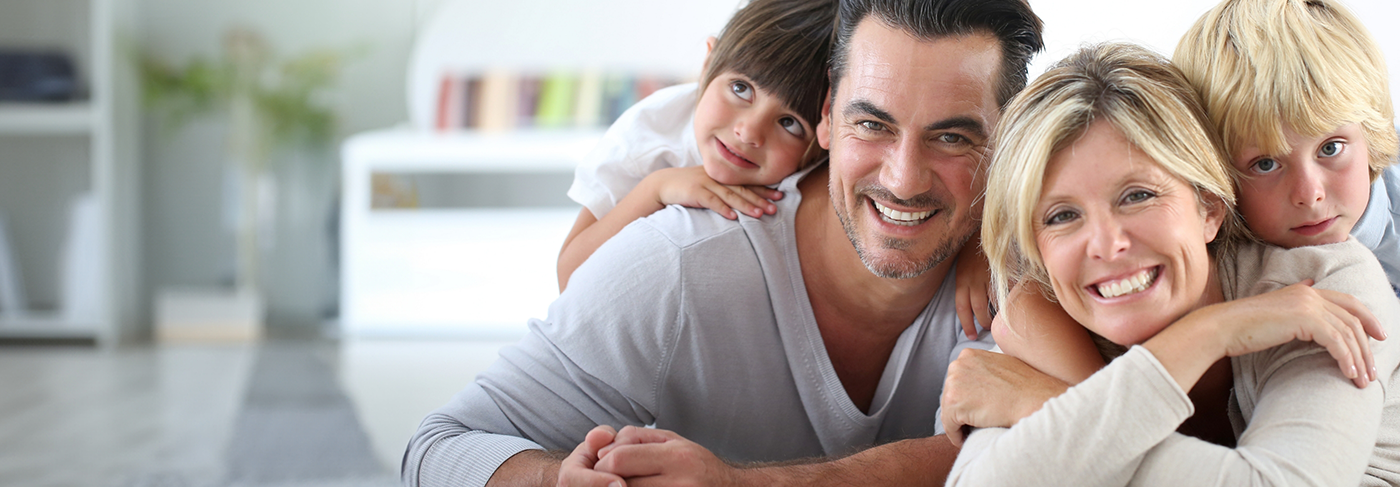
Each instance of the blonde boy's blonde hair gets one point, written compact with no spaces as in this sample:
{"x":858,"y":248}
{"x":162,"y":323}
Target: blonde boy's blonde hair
{"x":1310,"y":64}
{"x":1145,"y":98}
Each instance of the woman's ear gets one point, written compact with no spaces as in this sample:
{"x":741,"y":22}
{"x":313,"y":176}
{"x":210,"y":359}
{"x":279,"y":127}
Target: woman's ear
{"x":1215,"y":210}
{"x":709,"y":49}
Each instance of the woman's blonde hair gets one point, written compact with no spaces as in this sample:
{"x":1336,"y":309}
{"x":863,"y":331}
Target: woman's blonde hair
{"x":1310,"y":64}
{"x":1137,"y":91}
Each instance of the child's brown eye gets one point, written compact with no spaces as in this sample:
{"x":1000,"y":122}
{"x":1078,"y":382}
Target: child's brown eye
{"x":742,"y":90}
{"x":793,"y":126}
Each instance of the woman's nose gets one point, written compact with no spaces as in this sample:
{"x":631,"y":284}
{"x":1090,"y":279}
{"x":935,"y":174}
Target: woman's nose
{"x":1108,"y":240}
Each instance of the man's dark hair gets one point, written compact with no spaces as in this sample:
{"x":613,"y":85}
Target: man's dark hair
{"x":783,"y":46}
{"x":1013,"y":23}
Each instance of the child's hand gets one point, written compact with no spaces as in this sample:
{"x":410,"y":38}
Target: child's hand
{"x":690,"y":186}
{"x":973,"y":278}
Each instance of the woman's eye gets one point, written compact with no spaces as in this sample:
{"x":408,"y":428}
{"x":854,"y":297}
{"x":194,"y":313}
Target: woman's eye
{"x":1137,"y":196}
{"x":742,"y":90}
{"x":1061,"y":217}
{"x":1264,"y":166}
{"x":793,"y":126}
{"x":1331,"y":148}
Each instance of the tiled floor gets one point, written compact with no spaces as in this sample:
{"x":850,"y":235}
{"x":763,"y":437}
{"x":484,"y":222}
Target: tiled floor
{"x":280,"y":413}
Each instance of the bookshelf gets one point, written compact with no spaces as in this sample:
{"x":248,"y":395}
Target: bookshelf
{"x":54,"y":156}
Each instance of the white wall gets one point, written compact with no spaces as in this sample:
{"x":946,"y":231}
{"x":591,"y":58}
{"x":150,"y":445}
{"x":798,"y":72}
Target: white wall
{"x":1160,"y":24}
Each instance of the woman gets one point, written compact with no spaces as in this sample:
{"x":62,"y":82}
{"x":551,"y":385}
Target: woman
{"x":1107,"y":190}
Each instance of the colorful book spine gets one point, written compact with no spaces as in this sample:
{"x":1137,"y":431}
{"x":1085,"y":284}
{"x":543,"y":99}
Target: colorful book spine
{"x":556,"y":101}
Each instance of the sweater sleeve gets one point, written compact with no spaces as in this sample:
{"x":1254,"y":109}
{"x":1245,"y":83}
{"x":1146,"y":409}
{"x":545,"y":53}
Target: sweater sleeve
{"x":598,"y":359}
{"x":1096,"y":433}
{"x":1310,"y":426}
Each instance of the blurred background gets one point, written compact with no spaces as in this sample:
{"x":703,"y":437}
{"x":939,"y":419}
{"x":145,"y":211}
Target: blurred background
{"x":254,"y":243}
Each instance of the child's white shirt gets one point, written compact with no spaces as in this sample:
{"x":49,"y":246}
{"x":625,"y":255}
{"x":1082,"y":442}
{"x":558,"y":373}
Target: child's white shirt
{"x":656,"y":133}
{"x":1377,"y":227}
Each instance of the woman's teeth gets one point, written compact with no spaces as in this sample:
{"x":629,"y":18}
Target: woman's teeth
{"x":902,"y":217}
{"x":1134,"y":284}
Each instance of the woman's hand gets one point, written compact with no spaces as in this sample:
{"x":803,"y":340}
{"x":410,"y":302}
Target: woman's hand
{"x":988,"y":389}
{"x":1336,"y":321}
{"x":691,"y":187}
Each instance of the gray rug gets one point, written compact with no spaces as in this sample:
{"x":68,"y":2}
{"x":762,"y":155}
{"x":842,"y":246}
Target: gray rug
{"x":298,"y":429}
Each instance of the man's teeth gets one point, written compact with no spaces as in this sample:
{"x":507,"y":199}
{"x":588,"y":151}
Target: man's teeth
{"x":902,"y":217}
{"x":1134,"y":284}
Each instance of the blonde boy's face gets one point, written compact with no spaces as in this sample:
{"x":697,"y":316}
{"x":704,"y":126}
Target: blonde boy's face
{"x":1311,"y":196}
{"x":747,"y":135}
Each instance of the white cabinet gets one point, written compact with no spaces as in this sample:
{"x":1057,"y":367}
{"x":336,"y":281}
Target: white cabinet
{"x":476,"y":270}
{"x":60,"y":176}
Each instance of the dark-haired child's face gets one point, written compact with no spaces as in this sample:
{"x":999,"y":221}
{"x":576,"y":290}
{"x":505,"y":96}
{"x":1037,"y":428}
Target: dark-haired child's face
{"x":1311,"y":196}
{"x":747,"y":135}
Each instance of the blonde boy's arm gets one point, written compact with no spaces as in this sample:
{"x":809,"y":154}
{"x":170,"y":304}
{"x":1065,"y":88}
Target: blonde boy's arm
{"x":1032,"y":328}
{"x":687,"y":186}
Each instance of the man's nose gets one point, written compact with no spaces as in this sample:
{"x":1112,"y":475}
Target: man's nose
{"x":908,"y":171}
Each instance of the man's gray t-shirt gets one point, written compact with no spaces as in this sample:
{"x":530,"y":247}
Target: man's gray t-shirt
{"x":695,"y":324}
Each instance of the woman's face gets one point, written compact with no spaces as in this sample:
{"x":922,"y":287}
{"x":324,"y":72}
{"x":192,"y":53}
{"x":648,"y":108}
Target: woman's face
{"x":1123,"y":240}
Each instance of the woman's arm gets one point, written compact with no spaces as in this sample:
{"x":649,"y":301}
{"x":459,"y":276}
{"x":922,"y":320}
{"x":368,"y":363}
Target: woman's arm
{"x":1040,"y":333}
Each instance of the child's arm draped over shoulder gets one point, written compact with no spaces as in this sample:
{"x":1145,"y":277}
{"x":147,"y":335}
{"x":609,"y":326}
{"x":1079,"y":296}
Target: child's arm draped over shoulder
{"x":1036,"y":330}
{"x":686,"y":186}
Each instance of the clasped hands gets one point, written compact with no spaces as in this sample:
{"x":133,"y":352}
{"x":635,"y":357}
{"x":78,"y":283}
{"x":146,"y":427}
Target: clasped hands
{"x":639,"y":457}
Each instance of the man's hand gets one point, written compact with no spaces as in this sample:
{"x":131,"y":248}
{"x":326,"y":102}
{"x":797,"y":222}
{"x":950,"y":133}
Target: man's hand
{"x":579,"y":468}
{"x":988,"y":389}
{"x":646,"y":456}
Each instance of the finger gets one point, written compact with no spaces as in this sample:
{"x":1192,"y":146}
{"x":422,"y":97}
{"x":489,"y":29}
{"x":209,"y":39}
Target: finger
{"x":577,"y":468}
{"x":741,"y":199}
{"x":636,"y":460}
{"x":980,"y":308}
{"x":1354,"y":333}
{"x":953,"y":429}
{"x":598,"y":438}
{"x":716,"y":204}
{"x":1370,"y":324}
{"x":1330,"y":337}
{"x":965,"y":316}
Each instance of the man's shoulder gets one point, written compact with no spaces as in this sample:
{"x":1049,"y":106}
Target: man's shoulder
{"x":688,"y":227}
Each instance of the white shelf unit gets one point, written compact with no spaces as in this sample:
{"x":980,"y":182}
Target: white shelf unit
{"x":474,"y":272}
{"x":51,"y":154}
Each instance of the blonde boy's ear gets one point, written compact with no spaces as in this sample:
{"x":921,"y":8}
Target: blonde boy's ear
{"x":709,"y":49}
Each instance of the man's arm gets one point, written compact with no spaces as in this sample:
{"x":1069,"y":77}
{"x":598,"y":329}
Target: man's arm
{"x":657,"y":457}
{"x":594,"y":361}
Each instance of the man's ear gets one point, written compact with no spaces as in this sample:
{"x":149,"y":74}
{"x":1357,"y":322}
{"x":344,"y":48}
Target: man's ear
{"x":824,"y":126}
{"x":709,"y":49}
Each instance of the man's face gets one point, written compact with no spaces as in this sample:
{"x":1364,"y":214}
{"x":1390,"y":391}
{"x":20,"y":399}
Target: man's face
{"x":907,"y":131}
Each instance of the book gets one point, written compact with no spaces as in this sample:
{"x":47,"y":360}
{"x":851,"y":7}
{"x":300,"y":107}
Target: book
{"x":529,"y":93}
{"x":497,"y":107}
{"x":556,"y":101}
{"x":471,"y":93}
{"x":446,"y":102}
{"x":588,"y":101}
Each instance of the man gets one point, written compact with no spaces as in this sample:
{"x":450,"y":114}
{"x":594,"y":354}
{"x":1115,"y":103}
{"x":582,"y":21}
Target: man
{"x":819,"y":331}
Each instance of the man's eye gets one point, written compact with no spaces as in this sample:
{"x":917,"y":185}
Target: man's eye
{"x":793,"y":126}
{"x":1264,"y":166}
{"x":1331,"y":148}
{"x":742,"y":90}
{"x":951,"y":138}
{"x":871,"y":125}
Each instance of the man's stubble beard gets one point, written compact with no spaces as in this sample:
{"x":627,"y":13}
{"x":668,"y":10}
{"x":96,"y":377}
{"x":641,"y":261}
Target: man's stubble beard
{"x":948,"y":248}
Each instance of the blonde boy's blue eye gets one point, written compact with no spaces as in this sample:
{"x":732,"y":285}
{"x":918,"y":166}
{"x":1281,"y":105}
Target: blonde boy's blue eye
{"x":1264,"y":166}
{"x":1330,"y":148}
{"x":742,"y":90}
{"x":793,"y":126}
